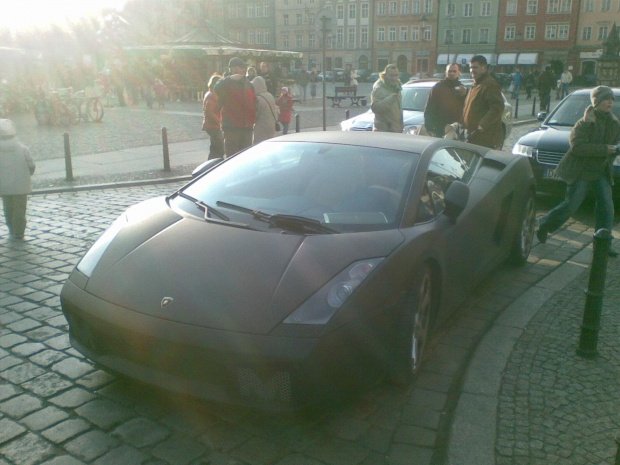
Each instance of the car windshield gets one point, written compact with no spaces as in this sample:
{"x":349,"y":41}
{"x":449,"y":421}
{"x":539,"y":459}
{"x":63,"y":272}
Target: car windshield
{"x":323,"y":187}
{"x":414,"y":98}
{"x":572,"y":109}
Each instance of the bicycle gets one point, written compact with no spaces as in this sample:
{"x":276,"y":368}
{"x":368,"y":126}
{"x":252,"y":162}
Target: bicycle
{"x":51,"y":110}
{"x":85,"y":108}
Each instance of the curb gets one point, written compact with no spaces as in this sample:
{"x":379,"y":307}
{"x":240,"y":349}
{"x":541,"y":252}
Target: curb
{"x":111,"y":185}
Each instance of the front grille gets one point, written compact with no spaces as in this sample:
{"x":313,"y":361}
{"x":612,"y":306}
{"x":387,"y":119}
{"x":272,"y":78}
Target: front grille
{"x":273,"y":387}
{"x":549,"y":158}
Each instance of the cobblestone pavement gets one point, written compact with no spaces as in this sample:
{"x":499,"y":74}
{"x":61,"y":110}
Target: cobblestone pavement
{"x":57,"y":408}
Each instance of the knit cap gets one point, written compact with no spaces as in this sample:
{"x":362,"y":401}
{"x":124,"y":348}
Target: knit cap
{"x":7,"y":129}
{"x":601,"y":93}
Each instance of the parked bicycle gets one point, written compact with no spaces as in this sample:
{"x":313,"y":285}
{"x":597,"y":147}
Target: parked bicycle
{"x":85,"y":108}
{"x":51,"y":109}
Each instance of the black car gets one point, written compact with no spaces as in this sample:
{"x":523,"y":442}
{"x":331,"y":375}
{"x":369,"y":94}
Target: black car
{"x":546,"y":146}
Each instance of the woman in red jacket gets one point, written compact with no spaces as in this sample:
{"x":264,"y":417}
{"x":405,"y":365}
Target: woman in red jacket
{"x":285,"y":104}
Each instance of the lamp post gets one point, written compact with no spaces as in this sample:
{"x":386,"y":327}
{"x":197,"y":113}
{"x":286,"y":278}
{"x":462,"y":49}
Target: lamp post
{"x":325,"y":19}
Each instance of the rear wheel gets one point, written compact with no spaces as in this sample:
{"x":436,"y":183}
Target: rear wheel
{"x":94,"y":110}
{"x":524,"y":239}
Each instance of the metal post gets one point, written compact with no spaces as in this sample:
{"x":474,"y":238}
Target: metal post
{"x":68,"y":166}
{"x":588,"y":340}
{"x":324,"y":20}
{"x":164,"y":142}
{"x":617,"y":462}
{"x":534,"y":106}
{"x":517,"y":108}
{"x":297,"y":121}
{"x":346,"y":114}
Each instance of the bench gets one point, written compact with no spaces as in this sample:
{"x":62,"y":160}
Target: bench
{"x":345,"y":92}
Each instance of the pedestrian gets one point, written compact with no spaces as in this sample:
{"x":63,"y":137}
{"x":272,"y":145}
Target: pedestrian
{"x":267,"y":75}
{"x":347,"y":76}
{"x":266,"y":120}
{"x":16,"y":167}
{"x":546,"y":82}
{"x":160,"y":92}
{"x":237,"y":99}
{"x":303,"y":79}
{"x":385,"y":101}
{"x":212,"y":119}
{"x":251,"y":74}
{"x":565,"y":80}
{"x":484,"y":107}
{"x":529,"y":84}
{"x":314,"y":79}
{"x":354,"y":77}
{"x":285,"y":104}
{"x":588,"y":165}
{"x":517,"y":81}
{"x":445,"y":102}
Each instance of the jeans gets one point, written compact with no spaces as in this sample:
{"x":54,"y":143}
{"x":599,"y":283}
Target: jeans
{"x":564,"y":90}
{"x":285,"y":128}
{"x":304,"y":91}
{"x":217,"y":143}
{"x":15,"y":213}
{"x":545,"y":102}
{"x":237,"y":139}
{"x":575,"y":195}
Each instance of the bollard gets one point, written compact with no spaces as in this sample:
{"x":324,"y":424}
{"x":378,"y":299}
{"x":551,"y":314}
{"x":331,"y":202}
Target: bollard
{"x":517,"y":108}
{"x":297,"y":122}
{"x":534,"y":106}
{"x":346,"y":114}
{"x":588,"y":340}
{"x":617,"y":462}
{"x":68,"y":166}
{"x":164,"y":141}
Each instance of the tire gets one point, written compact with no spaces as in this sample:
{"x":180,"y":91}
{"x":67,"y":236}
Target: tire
{"x":413,"y":328}
{"x":94,"y":110}
{"x":524,"y":238}
{"x":76,"y":114}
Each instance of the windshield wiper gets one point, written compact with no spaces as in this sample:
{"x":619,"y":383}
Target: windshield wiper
{"x":557,"y":123}
{"x":204,"y":207}
{"x":279,"y":220}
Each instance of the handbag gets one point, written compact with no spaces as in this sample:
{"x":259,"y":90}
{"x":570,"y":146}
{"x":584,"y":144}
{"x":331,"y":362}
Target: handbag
{"x":278,"y":127}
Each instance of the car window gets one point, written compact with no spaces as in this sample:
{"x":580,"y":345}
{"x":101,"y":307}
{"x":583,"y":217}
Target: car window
{"x":572,"y":109}
{"x":415,"y":98}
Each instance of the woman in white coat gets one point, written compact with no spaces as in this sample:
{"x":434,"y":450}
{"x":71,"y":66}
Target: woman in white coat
{"x":16,"y":167}
{"x":266,"y":112}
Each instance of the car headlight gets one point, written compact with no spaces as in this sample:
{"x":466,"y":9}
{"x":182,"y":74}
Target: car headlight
{"x":524,"y":150}
{"x":319,"y":308}
{"x":92,"y":257}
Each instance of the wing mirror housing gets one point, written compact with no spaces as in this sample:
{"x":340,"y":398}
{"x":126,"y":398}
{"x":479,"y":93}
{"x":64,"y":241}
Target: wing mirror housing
{"x":542,"y":115}
{"x":456,"y":199}
{"x":206,"y":166}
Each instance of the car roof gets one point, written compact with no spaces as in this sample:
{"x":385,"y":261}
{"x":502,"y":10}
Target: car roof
{"x":589,"y":90}
{"x":426,"y":82}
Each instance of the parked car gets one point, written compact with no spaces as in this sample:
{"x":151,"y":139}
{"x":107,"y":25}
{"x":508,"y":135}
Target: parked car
{"x":414,"y":97}
{"x":302,"y":269}
{"x":547,"y":145}
{"x":373,"y":77}
{"x":339,"y":73}
{"x":362,"y":74}
{"x":328,"y":74}
{"x":403,"y":76}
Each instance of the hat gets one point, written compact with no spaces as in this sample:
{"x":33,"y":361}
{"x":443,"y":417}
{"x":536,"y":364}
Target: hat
{"x":601,"y":93}
{"x":236,"y":61}
{"x":285,"y":89}
{"x":7,"y":128}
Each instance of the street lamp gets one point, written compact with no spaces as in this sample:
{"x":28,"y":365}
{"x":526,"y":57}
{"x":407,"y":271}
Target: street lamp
{"x":326,"y":19}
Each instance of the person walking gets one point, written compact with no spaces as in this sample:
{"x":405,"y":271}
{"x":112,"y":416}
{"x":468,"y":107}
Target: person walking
{"x":237,"y":99}
{"x":546,"y":82}
{"x":265,"y":124}
{"x":565,"y":80}
{"x":160,"y":92}
{"x":588,"y":165}
{"x":484,"y":107}
{"x":267,"y":75}
{"x":16,"y":168}
{"x":303,"y":79}
{"x":385,"y":101}
{"x":212,"y":119}
{"x":285,"y":104}
{"x":347,"y":76}
{"x":517,"y":82}
{"x":529,"y":84}
{"x":445,"y":102}
{"x":314,"y":79}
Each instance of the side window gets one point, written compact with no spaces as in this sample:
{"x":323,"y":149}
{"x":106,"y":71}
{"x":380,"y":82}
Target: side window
{"x":469,"y":160}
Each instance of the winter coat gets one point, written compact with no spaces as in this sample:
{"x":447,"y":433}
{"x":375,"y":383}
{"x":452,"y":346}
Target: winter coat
{"x":303,"y":78}
{"x":484,"y":107}
{"x":16,"y":166}
{"x":212,"y":116}
{"x":546,"y":82}
{"x":587,"y":159}
{"x":285,"y":103}
{"x":237,"y":99}
{"x":444,"y":106}
{"x":385,"y":103}
{"x":266,"y":111}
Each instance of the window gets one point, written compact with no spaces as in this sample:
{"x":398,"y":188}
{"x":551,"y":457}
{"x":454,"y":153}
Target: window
{"x":448,"y":36}
{"x":251,"y":11}
{"x":364,"y":36}
{"x":566,"y":6}
{"x":511,"y":8}
{"x":299,"y":18}
{"x":404,"y":8}
{"x":299,"y":41}
{"x":381,"y":34}
{"x":587,"y":33}
{"x":239,"y":11}
{"x":530,"y":32}
{"x":603,"y":32}
{"x":310,"y":17}
{"x":556,"y":32}
{"x":428,"y":6}
{"x":427,"y":33}
{"x":404,"y":33}
{"x":468,"y":10}
{"x":483,"y":36}
{"x":588,"y":6}
{"x":606,"y":5}
{"x":339,"y":37}
{"x":266,"y":11}
{"x":381,"y":9}
{"x":285,"y":41}
{"x":365,"y":10}
{"x":251,"y":37}
{"x":532,"y":7}
{"x":285,"y":20}
{"x":392,"y":34}
{"x":351,"y":37}
{"x":467,"y":36}
{"x":563,"y":31}
{"x":415,"y":33}
{"x":259,"y":36}
{"x":352,"y":11}
{"x":559,"y":6}
{"x":392,"y":10}
{"x":509,"y":33}
{"x":450,"y":10}
{"x":311,"y":40}
{"x":485,"y":9}
{"x":340,"y":11}
{"x":415,"y":7}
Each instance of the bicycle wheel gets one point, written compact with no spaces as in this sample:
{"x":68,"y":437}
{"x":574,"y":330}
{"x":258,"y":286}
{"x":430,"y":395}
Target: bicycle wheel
{"x":42,"y":113}
{"x":65,"y":118}
{"x":76,"y":113}
{"x":94,"y":110}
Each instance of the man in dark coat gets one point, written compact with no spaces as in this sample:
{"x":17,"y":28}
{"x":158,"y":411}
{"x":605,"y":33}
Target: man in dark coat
{"x":445,"y":102}
{"x":588,"y":166}
{"x":484,"y":107}
{"x":546,"y":82}
{"x":303,"y":79}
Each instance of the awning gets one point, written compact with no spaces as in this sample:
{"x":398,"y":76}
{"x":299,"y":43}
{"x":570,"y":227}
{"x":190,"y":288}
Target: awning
{"x":463,"y":58}
{"x":490,"y":58}
{"x":507,"y":59}
{"x":218,"y":51}
{"x":527,"y":59}
{"x":442,"y":59}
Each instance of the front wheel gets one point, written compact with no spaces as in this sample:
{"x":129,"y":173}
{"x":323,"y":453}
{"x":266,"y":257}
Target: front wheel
{"x":94,"y":110}
{"x":524,"y":239}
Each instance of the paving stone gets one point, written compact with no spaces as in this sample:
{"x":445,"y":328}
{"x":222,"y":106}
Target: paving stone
{"x":104,"y":413}
{"x":47,"y":384}
{"x":96,"y":379}
{"x":9,"y":317}
{"x":20,"y":405}
{"x":9,"y":429}
{"x":63,"y":460}
{"x":8,"y":390}
{"x":338,"y":452}
{"x":73,"y":398}
{"x":24,"y":324}
{"x":141,"y":432}
{"x":47,"y":357}
{"x":73,"y":367}
{"x":44,"y":418}
{"x":21,"y":373}
{"x":178,"y":450}
{"x":28,"y":449}
{"x":65,"y":430}
{"x":122,"y":455}
{"x":27,"y":349}
{"x":401,"y":454}
{"x":59,"y":342}
{"x":91,"y":445}
{"x":10,"y":340}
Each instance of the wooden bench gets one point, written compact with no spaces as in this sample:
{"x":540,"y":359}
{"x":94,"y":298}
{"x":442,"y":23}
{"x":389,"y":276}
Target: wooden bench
{"x":345,"y":92}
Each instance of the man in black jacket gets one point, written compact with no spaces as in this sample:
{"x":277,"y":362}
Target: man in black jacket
{"x":445,"y":102}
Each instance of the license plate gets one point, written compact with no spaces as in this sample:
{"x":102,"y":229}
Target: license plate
{"x":550,"y":174}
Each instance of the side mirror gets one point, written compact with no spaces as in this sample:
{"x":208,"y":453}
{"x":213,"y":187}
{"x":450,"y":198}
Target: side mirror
{"x":542,"y":115}
{"x":206,"y":166}
{"x":456,"y":199}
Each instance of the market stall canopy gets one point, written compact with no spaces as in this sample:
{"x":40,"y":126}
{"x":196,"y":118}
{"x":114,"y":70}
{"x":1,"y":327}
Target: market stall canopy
{"x":507,"y":59}
{"x":527,"y":59}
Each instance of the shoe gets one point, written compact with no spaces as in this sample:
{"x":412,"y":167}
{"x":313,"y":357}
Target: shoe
{"x":612,"y":253}
{"x":541,"y":234}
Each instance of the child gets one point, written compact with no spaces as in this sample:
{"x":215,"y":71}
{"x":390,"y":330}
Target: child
{"x":285,"y":104}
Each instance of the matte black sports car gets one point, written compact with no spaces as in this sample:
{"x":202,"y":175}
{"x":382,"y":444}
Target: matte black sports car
{"x":301,"y":268}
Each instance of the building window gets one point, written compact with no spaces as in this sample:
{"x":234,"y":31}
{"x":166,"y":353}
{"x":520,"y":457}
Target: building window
{"x":511,"y":8}
{"x":285,"y":41}
{"x":603,"y":32}
{"x":251,"y":11}
{"x":339,"y":37}
{"x":352,"y":11}
{"x":448,"y":36}
{"x":404,"y":8}
{"x":251,"y":37}
{"x":563,"y":31}
{"x":509,"y":33}
{"x":450,"y":10}
{"x":467,"y":36}
{"x":285,"y":20}
{"x":530,"y":32}
{"x":428,"y":6}
{"x":606,"y":5}
{"x":587,"y":33}
{"x":483,"y":36}
{"x":311,"y":40}
{"x":392,"y":34}
{"x":404,"y":33}
{"x":381,"y":9}
{"x":427,"y":32}
{"x":351,"y":37}
{"x":266,"y":10}
{"x":365,"y":10}
{"x":259,"y":36}
{"x":267,"y":36}
{"x":559,"y":6}
{"x":299,"y":19}
{"x":364,"y":36}
{"x":381,"y":34}
{"x":310,"y":17}
{"x":392,"y":10}
{"x":340,"y":12}
{"x":299,"y":41}
{"x":468,"y":10}
{"x":566,"y":6}
{"x":415,"y":7}
{"x":415,"y":33}
{"x":485,"y":9}
{"x":556,"y":32}
{"x":588,"y":7}
{"x":532,"y":7}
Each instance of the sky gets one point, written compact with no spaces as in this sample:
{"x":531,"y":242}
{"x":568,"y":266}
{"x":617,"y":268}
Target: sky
{"x":19,"y":15}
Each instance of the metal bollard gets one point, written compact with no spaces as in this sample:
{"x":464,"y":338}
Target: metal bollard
{"x":297,"y":122}
{"x":164,"y":142}
{"x":534,"y":106}
{"x":517,"y":108}
{"x":346,"y":114}
{"x":617,"y":462}
{"x":68,"y":166}
{"x":588,"y":340}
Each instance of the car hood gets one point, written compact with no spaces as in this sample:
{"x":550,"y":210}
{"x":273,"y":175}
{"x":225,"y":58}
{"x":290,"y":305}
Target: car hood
{"x":548,"y":139}
{"x":228,"y":278}
{"x":364,"y":122}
